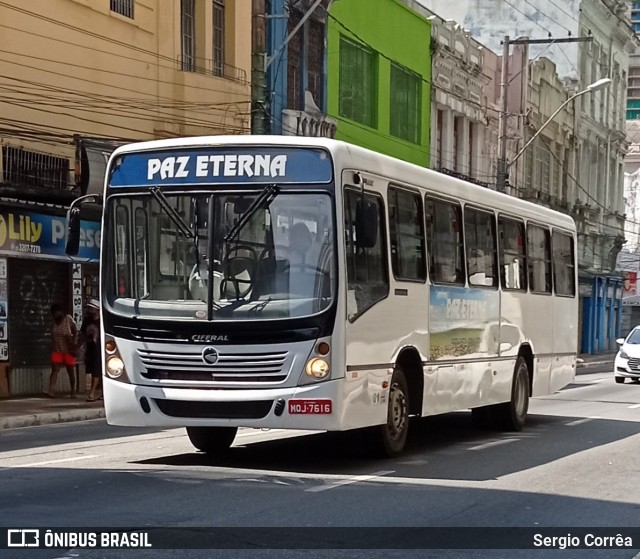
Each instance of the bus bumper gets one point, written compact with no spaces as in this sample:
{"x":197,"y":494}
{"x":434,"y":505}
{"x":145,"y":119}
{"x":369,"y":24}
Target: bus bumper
{"x":143,"y":406}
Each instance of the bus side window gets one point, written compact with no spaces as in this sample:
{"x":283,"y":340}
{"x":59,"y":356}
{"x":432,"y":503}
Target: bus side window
{"x":406,"y":234}
{"x":539,"y":259}
{"x":480,"y":237}
{"x":444,"y":242}
{"x":513,"y":269}
{"x":563,"y":264}
{"x":367,"y":268}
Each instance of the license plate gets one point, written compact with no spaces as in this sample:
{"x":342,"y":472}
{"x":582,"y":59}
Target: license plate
{"x":310,"y":406}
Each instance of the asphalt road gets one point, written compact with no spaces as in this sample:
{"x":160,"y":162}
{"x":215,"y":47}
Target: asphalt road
{"x":576,"y":465}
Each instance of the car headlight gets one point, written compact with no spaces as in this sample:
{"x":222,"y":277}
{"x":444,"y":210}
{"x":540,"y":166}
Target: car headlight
{"x":623,"y":355}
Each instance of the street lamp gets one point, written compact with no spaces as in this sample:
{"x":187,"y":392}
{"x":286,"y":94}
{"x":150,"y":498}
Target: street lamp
{"x":596,"y":86}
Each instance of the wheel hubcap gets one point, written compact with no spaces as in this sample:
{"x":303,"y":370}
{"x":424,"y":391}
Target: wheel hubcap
{"x":397,"y":412}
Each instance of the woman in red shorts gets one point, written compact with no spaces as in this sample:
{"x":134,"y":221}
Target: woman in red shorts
{"x":63,"y":346}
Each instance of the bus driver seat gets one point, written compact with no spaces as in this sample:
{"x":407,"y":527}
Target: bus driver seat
{"x":301,"y":277}
{"x":300,"y":242}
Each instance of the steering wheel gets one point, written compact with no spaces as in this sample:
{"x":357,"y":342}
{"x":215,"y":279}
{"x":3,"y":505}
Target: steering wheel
{"x":239,"y":271}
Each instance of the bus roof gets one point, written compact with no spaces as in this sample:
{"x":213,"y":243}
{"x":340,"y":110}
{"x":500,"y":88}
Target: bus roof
{"x":351,"y":157}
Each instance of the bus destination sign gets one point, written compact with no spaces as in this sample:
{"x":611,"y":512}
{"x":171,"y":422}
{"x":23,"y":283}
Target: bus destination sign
{"x":239,"y":165}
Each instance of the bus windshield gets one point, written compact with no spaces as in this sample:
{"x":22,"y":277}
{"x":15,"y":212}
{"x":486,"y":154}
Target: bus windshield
{"x":262,"y":254}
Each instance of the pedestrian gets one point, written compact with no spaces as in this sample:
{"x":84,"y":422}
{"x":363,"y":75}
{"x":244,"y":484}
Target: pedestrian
{"x":90,"y":336}
{"x":64,"y":338}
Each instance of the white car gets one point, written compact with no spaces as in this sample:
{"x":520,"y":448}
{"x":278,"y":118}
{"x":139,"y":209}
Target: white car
{"x":627,"y":362}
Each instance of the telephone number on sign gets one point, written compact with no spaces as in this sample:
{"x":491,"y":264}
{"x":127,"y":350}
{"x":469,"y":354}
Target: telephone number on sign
{"x":28,"y":248}
{"x":310,"y":406}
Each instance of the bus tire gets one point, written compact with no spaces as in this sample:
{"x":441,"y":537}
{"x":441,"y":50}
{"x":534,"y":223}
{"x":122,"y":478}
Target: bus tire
{"x":393,"y":434}
{"x":512,"y":415}
{"x":212,"y":440}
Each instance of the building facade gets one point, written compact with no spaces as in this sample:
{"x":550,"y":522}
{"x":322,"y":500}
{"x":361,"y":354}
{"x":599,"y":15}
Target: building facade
{"x":78,"y":78}
{"x":290,"y":59}
{"x":379,"y":77}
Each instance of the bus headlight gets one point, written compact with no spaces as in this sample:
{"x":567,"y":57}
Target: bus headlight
{"x":115,"y":367}
{"x":317,"y":368}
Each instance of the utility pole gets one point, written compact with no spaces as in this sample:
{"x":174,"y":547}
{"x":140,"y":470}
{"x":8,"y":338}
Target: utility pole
{"x":501,"y":179}
{"x":503,"y":165}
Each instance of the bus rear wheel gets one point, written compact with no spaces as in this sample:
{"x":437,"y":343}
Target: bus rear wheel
{"x":212,"y":440}
{"x":393,"y":434}
{"x":513,"y":414}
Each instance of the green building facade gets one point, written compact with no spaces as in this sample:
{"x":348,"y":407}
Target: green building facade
{"x":379,"y":77}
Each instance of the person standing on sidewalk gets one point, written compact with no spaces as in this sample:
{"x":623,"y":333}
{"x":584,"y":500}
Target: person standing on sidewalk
{"x":90,"y":336}
{"x":64,"y":333}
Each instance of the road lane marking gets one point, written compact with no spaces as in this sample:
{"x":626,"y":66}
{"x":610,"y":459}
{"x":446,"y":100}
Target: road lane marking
{"x":492,"y":443}
{"x":634,"y":407}
{"x":354,"y":479}
{"x":60,"y":461}
{"x":580,"y":421}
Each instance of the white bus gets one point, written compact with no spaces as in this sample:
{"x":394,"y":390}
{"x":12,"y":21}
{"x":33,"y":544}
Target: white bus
{"x":306,"y":283}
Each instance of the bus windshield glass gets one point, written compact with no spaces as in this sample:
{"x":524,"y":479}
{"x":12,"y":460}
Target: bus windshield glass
{"x":265,"y":253}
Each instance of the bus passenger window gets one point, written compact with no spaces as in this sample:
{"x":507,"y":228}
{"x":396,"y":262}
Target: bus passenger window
{"x":539,"y":259}
{"x":406,"y":234}
{"x":367,"y":277}
{"x":480,"y":237}
{"x":444,"y":242}
{"x":563,"y":264}
{"x":513,"y":270}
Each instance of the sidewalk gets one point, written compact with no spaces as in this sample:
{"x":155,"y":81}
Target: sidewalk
{"x":585,"y":360}
{"x":26,"y":412}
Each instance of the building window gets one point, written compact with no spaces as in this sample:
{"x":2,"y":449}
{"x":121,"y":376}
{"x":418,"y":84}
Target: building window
{"x":295,"y":53}
{"x":22,"y":167}
{"x":357,"y":83}
{"x":405,"y":104}
{"x":122,"y":7}
{"x":316,"y":62}
{"x":218,"y":37}
{"x":187,"y":21}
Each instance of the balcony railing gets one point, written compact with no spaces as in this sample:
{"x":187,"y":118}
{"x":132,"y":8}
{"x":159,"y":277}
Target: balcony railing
{"x":26,"y":168}
{"x":210,"y":67}
{"x":301,"y":123}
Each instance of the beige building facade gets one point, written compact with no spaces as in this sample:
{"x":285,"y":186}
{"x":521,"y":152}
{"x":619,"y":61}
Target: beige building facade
{"x":76,"y":74}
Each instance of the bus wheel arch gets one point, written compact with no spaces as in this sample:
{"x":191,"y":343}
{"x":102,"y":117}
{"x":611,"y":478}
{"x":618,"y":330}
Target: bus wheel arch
{"x":410,"y":363}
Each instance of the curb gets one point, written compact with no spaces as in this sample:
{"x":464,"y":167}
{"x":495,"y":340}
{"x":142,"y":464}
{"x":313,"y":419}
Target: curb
{"x":595,"y":363}
{"x":48,"y":418}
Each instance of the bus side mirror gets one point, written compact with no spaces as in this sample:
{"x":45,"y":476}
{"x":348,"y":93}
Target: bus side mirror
{"x":72,"y":244}
{"x":366,"y":224}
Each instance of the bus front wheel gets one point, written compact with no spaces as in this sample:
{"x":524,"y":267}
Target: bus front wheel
{"x":393,"y":434}
{"x":212,"y":439}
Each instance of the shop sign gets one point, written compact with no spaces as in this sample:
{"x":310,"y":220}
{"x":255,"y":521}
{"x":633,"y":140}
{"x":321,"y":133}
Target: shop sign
{"x":34,"y":233}
{"x":630,"y":283}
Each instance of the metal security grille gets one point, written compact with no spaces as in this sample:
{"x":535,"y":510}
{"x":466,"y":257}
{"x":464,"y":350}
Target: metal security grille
{"x":316,"y":60}
{"x":218,"y":37}
{"x":294,"y":63}
{"x":31,"y":168}
{"x":122,"y":7}
{"x":187,"y":11}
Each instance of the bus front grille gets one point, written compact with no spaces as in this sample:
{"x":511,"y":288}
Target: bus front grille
{"x":215,"y":410}
{"x":189,"y":365}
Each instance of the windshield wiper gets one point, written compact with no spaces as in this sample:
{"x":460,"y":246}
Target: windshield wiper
{"x":263,"y":200}
{"x":177,"y":219}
